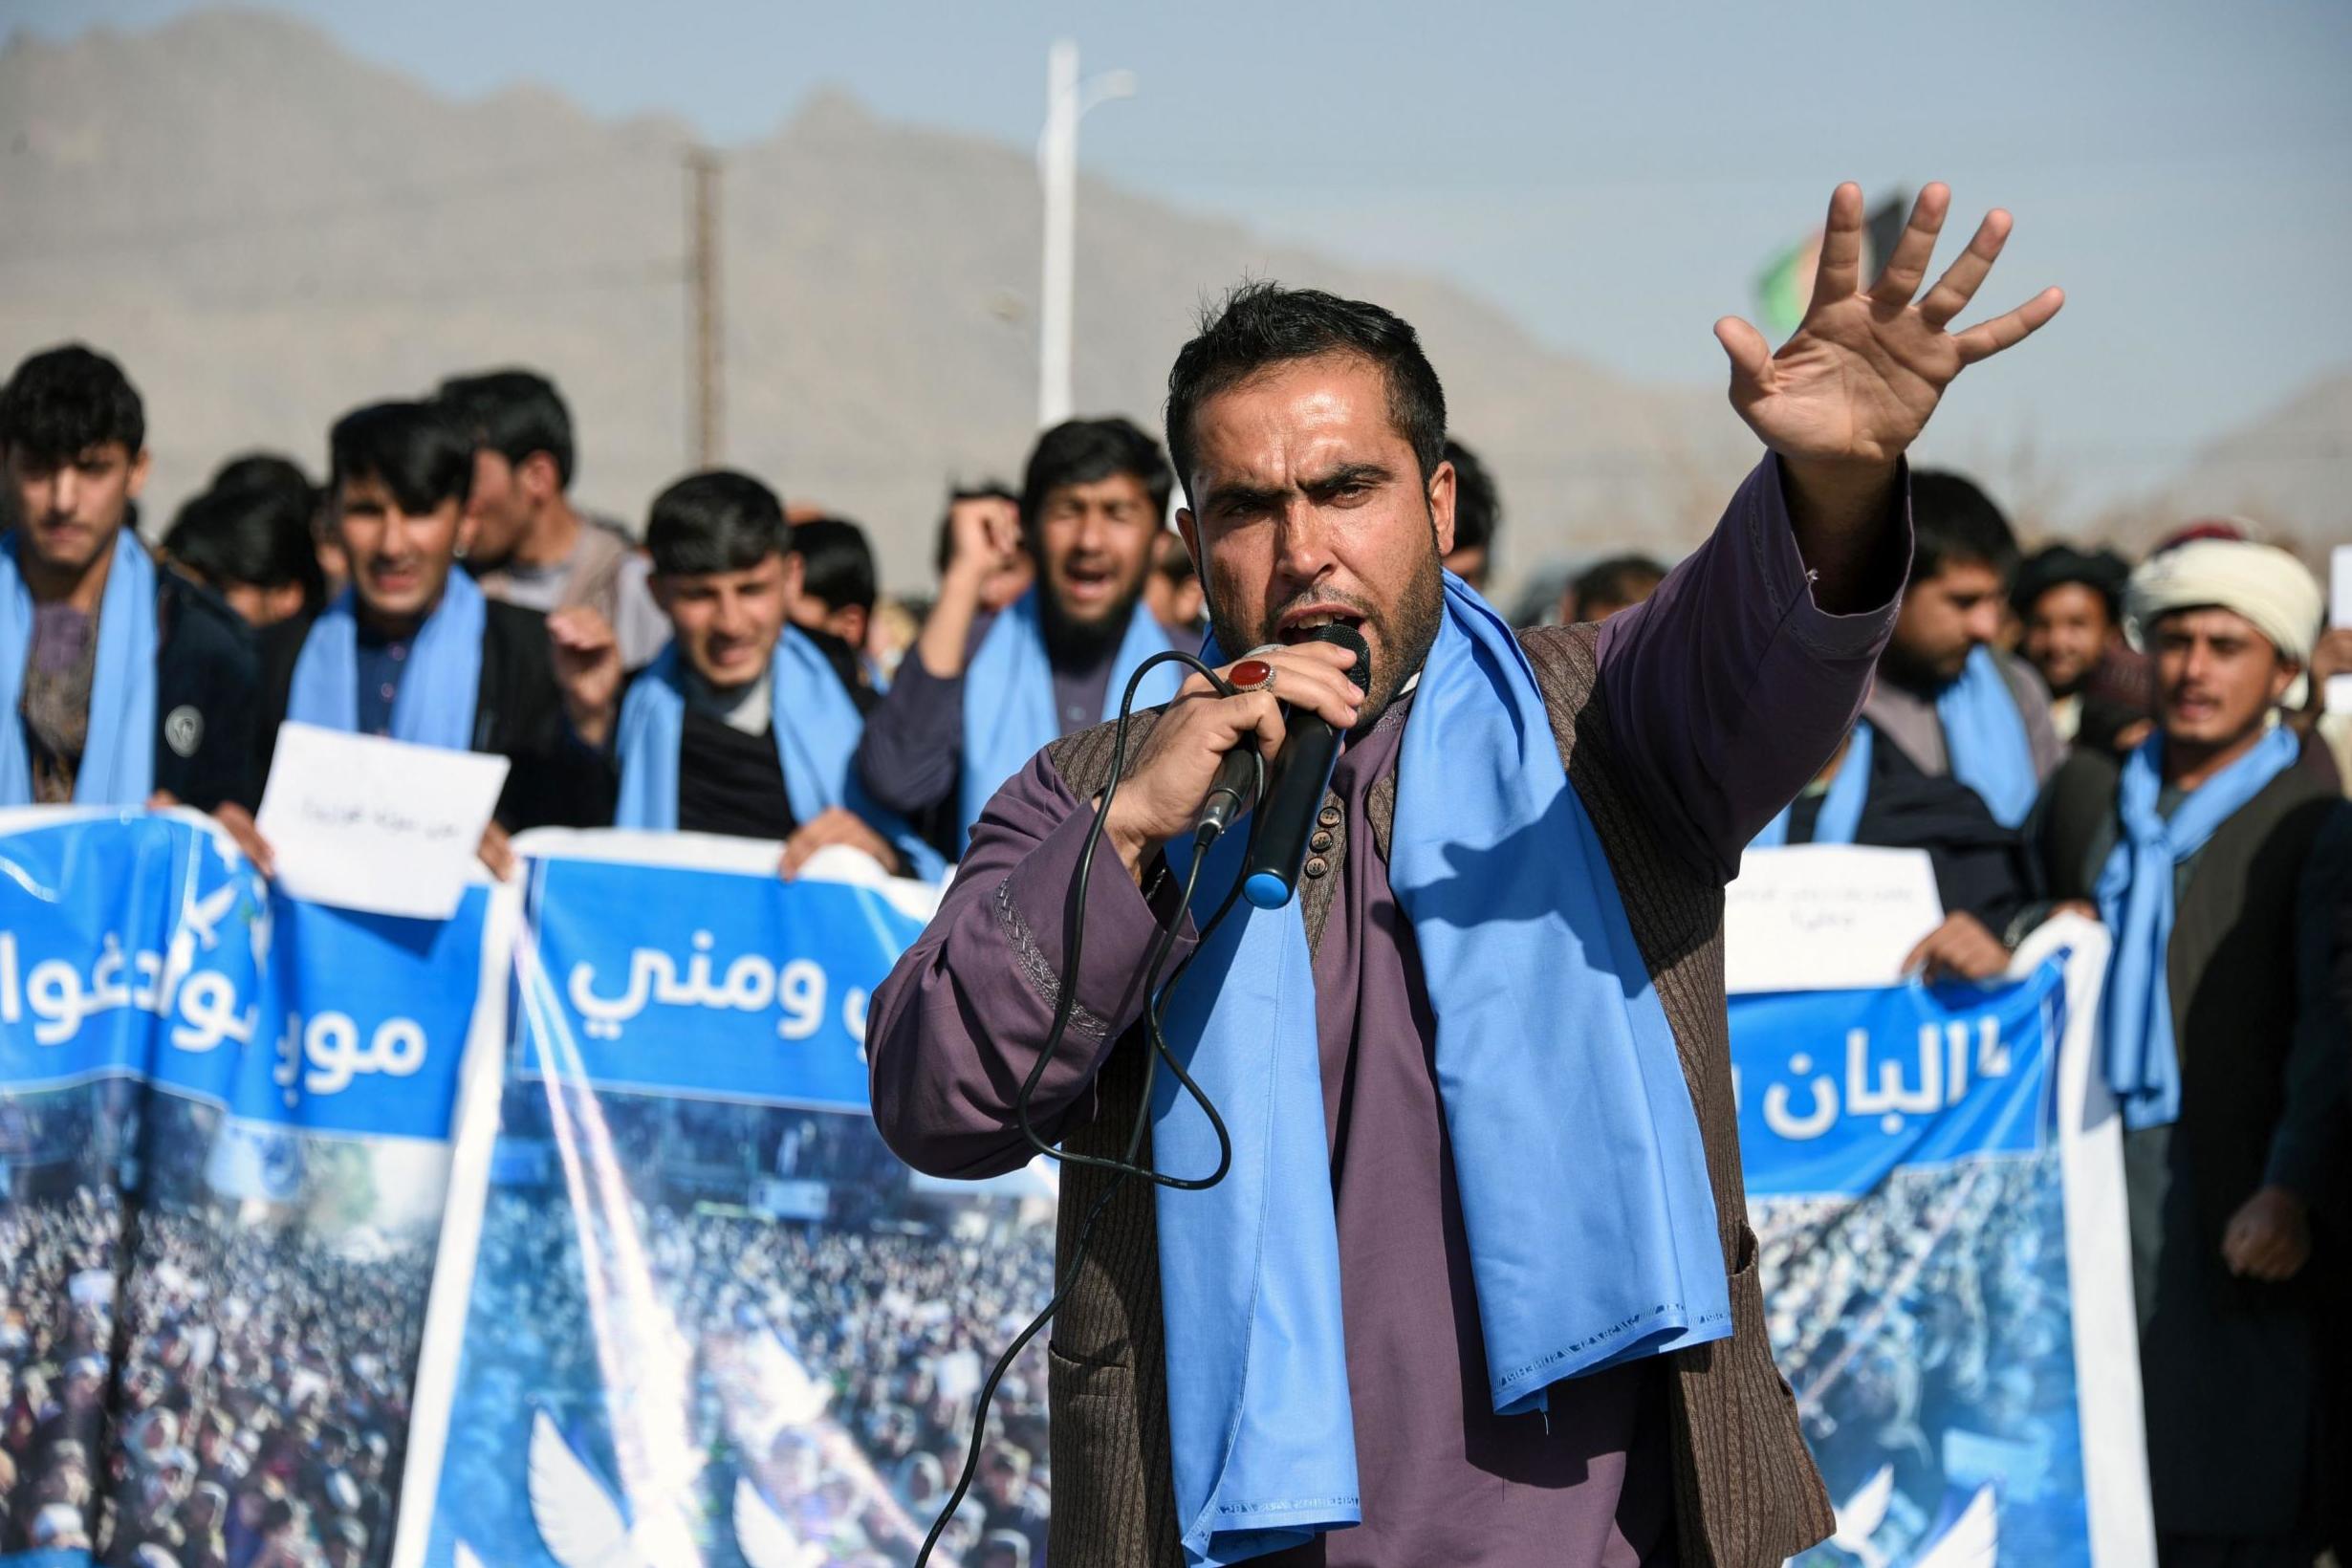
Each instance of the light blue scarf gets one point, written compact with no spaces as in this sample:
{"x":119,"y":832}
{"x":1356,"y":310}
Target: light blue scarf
{"x":1985,"y":740}
{"x":117,"y":759}
{"x":1841,"y":808}
{"x":2135,"y":901}
{"x":1009,"y":712}
{"x":816,"y":727}
{"x":439,"y":688}
{"x":1583,"y":1183}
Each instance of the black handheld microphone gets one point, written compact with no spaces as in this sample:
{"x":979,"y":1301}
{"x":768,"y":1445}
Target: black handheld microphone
{"x":1295,"y":784}
{"x":1228,"y":795}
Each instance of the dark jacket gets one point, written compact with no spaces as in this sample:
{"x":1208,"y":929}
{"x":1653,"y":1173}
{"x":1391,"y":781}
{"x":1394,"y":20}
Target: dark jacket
{"x":555,"y":779}
{"x":2256,"y":972}
{"x":1981,"y":867}
{"x":208,"y":683}
{"x":1745,"y":1488}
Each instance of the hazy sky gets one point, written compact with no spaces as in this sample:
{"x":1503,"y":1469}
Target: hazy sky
{"x":1613,"y":176}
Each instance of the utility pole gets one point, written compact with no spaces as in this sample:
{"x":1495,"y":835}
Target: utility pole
{"x":1066,"y":99}
{"x":708,"y":372}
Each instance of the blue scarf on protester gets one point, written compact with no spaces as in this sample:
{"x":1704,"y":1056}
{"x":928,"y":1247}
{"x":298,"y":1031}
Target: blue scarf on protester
{"x":1841,"y":808}
{"x":2135,"y":901}
{"x":1985,"y":740}
{"x":816,"y":725}
{"x":1008,"y":714}
{"x":117,"y":759}
{"x":1583,"y":1183}
{"x":439,"y":686}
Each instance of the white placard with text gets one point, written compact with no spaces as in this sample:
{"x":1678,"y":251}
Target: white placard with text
{"x":1826,"y":917}
{"x":378,"y":825}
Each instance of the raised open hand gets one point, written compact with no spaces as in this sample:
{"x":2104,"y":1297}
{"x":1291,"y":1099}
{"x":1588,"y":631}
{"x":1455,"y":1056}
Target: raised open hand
{"x":1856,"y":382}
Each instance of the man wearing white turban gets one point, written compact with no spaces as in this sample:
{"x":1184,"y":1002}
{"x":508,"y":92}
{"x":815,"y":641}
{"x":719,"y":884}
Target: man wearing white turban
{"x":2220,"y":865}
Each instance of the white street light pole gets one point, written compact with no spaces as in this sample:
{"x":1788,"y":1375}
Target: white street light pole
{"x":1066,"y":99}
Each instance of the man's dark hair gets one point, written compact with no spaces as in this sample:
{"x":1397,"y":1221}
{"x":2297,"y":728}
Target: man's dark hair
{"x":1952,"y":522}
{"x":415,"y":449}
{"x":265,"y":471}
{"x":253,"y":533}
{"x":1079,"y":451}
{"x":513,"y":413}
{"x":837,"y":564}
{"x":943,"y":550}
{"x":1264,"y":324}
{"x":2103,"y":571}
{"x":1477,"y":506}
{"x":1612,"y":581}
{"x":719,"y":520}
{"x":64,"y":400}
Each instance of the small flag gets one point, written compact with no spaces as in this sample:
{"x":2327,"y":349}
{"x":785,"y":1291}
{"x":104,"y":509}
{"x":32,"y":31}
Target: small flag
{"x":1784,"y":288}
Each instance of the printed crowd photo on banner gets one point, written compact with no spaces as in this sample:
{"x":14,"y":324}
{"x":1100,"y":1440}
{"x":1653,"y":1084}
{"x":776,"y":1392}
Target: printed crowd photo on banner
{"x":698,"y":1313}
{"x":224,"y":1153}
{"x":557,"y":1231}
{"x":1934,"y":1180}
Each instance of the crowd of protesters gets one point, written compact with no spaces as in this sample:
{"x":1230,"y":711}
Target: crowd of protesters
{"x":1925,"y":1327}
{"x":890,"y":1309}
{"x":2062,"y":731}
{"x":240,"y":1399}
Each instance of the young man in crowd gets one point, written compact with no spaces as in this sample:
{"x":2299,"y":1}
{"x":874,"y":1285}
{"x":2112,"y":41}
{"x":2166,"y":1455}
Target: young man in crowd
{"x":1606,"y":587}
{"x":1173,"y":592}
{"x":529,"y":546}
{"x":252,"y":545}
{"x":1944,"y":696}
{"x":1477,"y":517}
{"x":2070,"y":603}
{"x":978,"y":697}
{"x":127,"y":683}
{"x":834,"y":607}
{"x":2225,"y":872}
{"x":741,"y":724}
{"x":412,"y":648}
{"x":284,"y":478}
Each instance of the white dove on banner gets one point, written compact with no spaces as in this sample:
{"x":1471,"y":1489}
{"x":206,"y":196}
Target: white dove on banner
{"x":1974,"y":1539}
{"x":764,"y":1539}
{"x":583,"y":1524}
{"x":1859,"y":1516}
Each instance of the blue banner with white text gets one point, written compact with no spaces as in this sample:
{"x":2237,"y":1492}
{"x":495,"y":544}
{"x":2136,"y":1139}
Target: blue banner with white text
{"x":224,"y":1118}
{"x":712,"y":1320}
{"x":1905,"y":1186}
{"x":559,"y":1233}
{"x":671,"y":980}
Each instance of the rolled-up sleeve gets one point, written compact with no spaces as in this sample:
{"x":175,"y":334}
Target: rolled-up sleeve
{"x":963,"y":1016}
{"x":1730,"y":686}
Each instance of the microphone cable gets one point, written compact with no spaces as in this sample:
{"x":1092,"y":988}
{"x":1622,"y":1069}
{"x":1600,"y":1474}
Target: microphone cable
{"x":1157,"y":996}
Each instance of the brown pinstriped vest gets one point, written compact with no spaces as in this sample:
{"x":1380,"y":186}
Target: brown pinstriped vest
{"x":1746,"y":1493}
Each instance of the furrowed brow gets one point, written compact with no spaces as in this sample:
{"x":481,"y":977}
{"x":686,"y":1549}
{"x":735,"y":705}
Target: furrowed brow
{"x":1346,"y":474}
{"x":1240,"y":497}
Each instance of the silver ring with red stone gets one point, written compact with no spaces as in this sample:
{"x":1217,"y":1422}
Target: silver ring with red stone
{"x":1251,"y":675}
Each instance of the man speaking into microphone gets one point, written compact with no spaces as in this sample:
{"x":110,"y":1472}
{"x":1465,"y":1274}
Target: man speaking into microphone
{"x":1476,"y":1286}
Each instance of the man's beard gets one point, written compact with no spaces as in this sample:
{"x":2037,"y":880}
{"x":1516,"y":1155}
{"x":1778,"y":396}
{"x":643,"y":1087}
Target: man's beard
{"x":1082,"y":645}
{"x":1914,"y":676}
{"x":1405,"y":632}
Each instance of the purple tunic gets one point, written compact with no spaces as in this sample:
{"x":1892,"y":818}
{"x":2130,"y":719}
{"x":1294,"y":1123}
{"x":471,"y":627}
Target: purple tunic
{"x":1725,"y":693}
{"x":912,"y":750}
